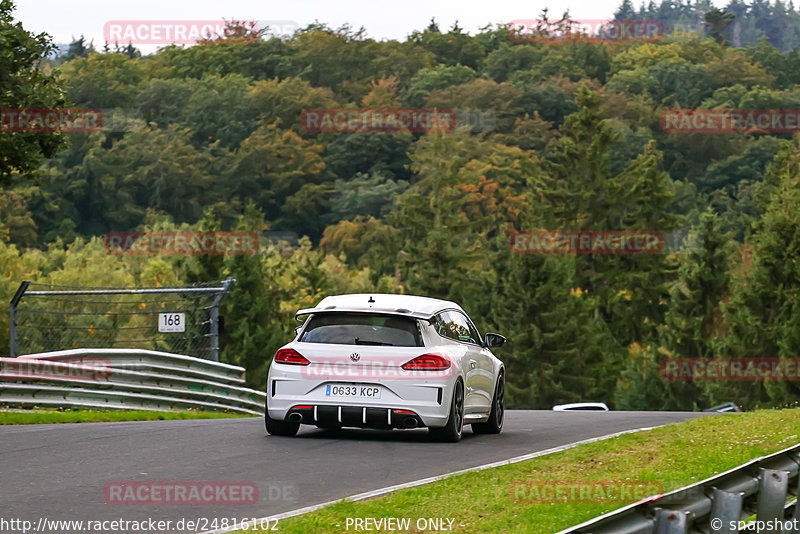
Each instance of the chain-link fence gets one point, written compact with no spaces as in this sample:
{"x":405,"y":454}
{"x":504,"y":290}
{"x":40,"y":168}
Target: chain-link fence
{"x":181,"y":320}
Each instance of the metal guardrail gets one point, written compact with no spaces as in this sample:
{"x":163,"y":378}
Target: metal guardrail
{"x":132,"y":379}
{"x":163,"y":362}
{"x":767,"y":487}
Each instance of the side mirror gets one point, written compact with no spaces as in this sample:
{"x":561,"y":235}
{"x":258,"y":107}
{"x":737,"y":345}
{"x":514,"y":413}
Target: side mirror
{"x":297,"y":329}
{"x":494,"y":340}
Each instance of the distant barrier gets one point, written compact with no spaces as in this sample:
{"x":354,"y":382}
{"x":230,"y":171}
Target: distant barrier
{"x":125,"y":379}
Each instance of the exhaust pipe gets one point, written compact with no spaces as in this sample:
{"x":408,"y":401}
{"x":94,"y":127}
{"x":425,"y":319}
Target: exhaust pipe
{"x":410,"y":422}
{"x":295,"y":417}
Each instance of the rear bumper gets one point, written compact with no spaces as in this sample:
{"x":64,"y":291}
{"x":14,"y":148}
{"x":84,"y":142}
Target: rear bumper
{"x":426,"y":400}
{"x":358,"y":416}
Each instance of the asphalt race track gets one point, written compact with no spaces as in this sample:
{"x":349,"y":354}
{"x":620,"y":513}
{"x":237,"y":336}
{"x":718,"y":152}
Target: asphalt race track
{"x":60,"y":471}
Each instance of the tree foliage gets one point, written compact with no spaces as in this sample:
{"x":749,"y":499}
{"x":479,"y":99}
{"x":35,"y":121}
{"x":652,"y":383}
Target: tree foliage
{"x":557,"y":134}
{"x":24,"y":85}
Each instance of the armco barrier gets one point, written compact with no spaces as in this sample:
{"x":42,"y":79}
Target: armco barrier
{"x":132,"y":379}
{"x":766,"y":487}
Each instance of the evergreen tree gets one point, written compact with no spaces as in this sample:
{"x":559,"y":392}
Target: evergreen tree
{"x":625,"y":11}
{"x":79,"y":48}
{"x":765,"y":311}
{"x":694,"y":321}
{"x":208,"y":267}
{"x":254,"y":323}
{"x":584,"y":195}
{"x":556,"y":346}
{"x":627,"y":292}
{"x":717,"y":23}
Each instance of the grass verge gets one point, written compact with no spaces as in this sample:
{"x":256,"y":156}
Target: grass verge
{"x":100,"y":416}
{"x":504,"y":499}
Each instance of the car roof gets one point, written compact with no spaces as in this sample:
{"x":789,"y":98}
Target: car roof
{"x":408,"y":305}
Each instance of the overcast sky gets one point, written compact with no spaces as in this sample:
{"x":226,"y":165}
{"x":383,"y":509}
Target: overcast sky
{"x":64,"y":19}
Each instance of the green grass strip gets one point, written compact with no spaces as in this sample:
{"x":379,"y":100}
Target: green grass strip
{"x":101,"y":416}
{"x":504,"y":499}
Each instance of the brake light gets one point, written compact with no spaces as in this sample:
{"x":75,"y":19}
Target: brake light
{"x":291,"y":357}
{"x":427,"y":362}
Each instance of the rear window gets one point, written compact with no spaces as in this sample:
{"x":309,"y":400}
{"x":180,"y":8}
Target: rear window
{"x":362,"y":329}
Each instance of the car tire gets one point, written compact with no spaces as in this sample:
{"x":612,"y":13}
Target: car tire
{"x":276,"y":427}
{"x":452,"y":431}
{"x":495,"y":423}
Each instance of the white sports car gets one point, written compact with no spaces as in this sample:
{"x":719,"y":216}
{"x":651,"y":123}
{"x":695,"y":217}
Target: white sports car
{"x":387,"y":361}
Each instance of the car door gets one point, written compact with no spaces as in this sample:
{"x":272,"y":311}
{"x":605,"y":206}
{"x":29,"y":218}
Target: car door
{"x":456,"y":326}
{"x":483,"y":376}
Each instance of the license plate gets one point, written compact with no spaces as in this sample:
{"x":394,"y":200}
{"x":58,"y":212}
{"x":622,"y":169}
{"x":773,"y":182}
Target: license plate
{"x":362,"y":392}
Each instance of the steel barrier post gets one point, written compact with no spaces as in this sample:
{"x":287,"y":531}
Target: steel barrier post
{"x":12,"y":316}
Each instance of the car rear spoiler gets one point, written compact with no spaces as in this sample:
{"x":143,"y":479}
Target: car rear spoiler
{"x":402,"y":312}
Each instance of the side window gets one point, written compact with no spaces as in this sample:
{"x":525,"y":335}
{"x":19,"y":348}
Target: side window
{"x":444,"y":327}
{"x":454,"y":325}
{"x":473,"y":332}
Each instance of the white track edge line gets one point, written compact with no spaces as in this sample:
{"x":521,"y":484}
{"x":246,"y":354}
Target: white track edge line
{"x":389,"y":489}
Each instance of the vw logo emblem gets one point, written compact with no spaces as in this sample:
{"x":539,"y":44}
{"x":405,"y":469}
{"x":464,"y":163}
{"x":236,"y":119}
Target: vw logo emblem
{"x":355,"y":357}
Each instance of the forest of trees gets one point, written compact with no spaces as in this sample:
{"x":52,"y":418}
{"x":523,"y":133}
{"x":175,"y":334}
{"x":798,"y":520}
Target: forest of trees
{"x":211,"y":139}
{"x":743,"y":23}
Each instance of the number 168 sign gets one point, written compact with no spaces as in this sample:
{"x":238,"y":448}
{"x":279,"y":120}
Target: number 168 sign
{"x":172,"y":322}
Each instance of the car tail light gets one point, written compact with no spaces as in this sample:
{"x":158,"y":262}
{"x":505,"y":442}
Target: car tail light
{"x":291,"y":357}
{"x":427,"y":362}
